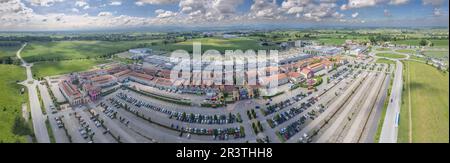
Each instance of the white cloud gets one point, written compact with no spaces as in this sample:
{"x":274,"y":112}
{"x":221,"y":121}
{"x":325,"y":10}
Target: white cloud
{"x":369,"y":3}
{"x":139,"y":3}
{"x":398,"y":2}
{"x":320,"y":11}
{"x":226,"y":6}
{"x":437,"y":12}
{"x":338,"y":15}
{"x":74,"y":10}
{"x":82,"y":4}
{"x":264,"y":9}
{"x":165,"y":14}
{"x":14,"y":13}
{"x":45,"y":3}
{"x":106,"y":14}
{"x":156,"y":2}
{"x":115,"y":3}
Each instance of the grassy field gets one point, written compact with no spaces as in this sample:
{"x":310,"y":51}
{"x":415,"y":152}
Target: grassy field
{"x":332,"y":41}
{"x":11,"y":102}
{"x":66,"y":50}
{"x":383,"y":60}
{"x":390,"y":55}
{"x":8,"y":51}
{"x":436,"y":53}
{"x":429,"y":90}
{"x":409,"y":51}
{"x":43,"y":69}
{"x":440,"y":43}
{"x":418,"y":58}
{"x":415,"y":42}
{"x":214,"y":43}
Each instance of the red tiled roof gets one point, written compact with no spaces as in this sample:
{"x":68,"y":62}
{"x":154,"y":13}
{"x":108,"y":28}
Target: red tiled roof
{"x":315,"y":65}
{"x":164,"y":82}
{"x":70,"y":89}
{"x":141,"y":75}
{"x":102,"y":78}
{"x":294,"y":74}
{"x":306,"y":71}
{"x":122,"y":73}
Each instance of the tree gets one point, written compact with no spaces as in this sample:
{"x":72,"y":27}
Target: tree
{"x":260,"y":126}
{"x":20,"y":127}
{"x":423,"y":42}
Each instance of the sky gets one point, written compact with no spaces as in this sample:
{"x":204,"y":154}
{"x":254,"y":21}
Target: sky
{"x":117,"y":14}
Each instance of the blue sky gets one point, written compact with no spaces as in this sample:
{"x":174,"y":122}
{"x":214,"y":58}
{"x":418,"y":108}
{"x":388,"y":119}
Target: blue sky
{"x":86,"y":14}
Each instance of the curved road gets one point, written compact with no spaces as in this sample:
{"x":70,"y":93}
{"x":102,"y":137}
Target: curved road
{"x":39,"y":127}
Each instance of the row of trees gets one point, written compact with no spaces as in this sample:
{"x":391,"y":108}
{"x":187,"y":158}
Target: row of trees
{"x":103,"y":37}
{"x":10,"y":60}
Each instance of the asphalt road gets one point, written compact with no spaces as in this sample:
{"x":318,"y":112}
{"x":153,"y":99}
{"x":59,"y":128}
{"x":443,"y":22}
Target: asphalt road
{"x":40,"y":130}
{"x":390,"y":127}
{"x":59,"y":134}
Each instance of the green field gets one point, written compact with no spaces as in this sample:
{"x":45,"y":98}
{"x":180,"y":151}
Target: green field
{"x":440,"y":43}
{"x":409,"y":51}
{"x":220,"y":44}
{"x":66,"y":50}
{"x":390,"y":55}
{"x":332,"y":41}
{"x":429,"y":90}
{"x":418,"y":58}
{"x":43,"y":69}
{"x":8,"y":51}
{"x":415,"y":42}
{"x":383,"y":60}
{"x":436,"y":53}
{"x":11,"y":102}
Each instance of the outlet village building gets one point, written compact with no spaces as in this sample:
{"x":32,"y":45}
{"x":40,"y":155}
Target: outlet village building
{"x":294,"y":65}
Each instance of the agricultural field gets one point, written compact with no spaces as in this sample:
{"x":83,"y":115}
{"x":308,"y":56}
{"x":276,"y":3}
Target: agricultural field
{"x":67,"y":50}
{"x":11,"y":104}
{"x":390,"y":55}
{"x":220,"y":44}
{"x":429,"y":90}
{"x":50,"y":68}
